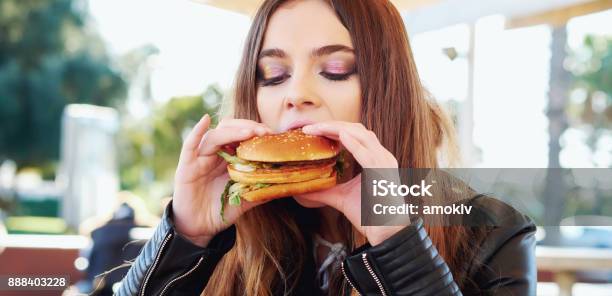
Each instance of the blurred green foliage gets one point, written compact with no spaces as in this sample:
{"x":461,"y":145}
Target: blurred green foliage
{"x":36,"y":225}
{"x":49,"y":57}
{"x":150,"y":148}
{"x":46,"y":207}
{"x":591,"y":105}
{"x":593,"y":65}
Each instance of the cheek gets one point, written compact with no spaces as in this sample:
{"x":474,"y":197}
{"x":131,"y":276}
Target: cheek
{"x":344,"y":99}
{"x":269,"y":106}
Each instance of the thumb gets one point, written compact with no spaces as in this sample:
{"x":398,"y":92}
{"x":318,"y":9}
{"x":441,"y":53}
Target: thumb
{"x":233,"y":212}
{"x":246,"y":205}
{"x":337,"y":196}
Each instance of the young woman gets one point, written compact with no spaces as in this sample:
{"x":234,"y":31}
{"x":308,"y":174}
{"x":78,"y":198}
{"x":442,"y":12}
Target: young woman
{"x":342,"y":69}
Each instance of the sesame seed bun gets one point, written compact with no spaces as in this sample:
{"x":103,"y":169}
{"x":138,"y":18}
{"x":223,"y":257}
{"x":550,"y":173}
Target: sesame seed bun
{"x":293,"y":145}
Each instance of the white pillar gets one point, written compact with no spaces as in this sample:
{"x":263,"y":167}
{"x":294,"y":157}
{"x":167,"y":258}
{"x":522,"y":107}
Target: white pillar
{"x":466,"y":114}
{"x":88,"y":171}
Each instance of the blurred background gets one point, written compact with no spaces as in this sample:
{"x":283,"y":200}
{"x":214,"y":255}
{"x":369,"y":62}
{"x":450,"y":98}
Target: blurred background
{"x":96,"y":96}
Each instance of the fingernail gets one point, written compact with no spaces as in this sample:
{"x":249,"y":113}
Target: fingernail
{"x":201,"y":119}
{"x":260,"y":131}
{"x":309,"y":128}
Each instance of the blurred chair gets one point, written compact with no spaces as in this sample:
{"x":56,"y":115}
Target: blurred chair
{"x":113,"y":246}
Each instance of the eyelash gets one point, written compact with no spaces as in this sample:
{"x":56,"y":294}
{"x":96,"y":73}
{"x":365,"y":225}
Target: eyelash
{"x":337,"y":77}
{"x":280,"y":79}
{"x":274,"y":80}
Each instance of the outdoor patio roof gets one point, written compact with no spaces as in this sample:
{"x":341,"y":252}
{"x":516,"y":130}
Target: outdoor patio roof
{"x":249,"y":6}
{"x":425,"y":15}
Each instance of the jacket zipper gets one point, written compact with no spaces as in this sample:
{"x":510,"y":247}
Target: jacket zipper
{"x":144,"y":285}
{"x":181,"y":276}
{"x":347,"y":279}
{"x":371,"y":271}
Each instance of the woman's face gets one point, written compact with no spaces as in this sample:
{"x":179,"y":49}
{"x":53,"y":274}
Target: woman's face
{"x":306,"y":70}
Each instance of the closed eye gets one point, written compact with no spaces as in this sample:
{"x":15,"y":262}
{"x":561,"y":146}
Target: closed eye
{"x":274,"y":80}
{"x":337,"y":76}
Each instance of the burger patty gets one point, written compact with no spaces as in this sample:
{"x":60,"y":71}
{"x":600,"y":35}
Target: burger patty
{"x":283,"y":174}
{"x":292,"y":166}
{"x":320,"y":161}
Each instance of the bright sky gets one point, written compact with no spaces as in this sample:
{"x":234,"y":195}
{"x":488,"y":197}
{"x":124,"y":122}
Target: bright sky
{"x":198,"y":44}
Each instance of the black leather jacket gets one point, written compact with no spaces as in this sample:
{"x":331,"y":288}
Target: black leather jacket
{"x":405,"y":264}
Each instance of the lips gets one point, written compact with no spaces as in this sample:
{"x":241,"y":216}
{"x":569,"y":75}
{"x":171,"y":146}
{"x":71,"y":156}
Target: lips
{"x":296,"y":124}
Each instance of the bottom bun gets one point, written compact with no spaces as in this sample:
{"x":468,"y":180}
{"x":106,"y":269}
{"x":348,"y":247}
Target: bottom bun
{"x":289,"y":189}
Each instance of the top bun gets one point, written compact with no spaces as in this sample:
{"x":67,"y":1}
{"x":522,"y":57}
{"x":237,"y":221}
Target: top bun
{"x":292,"y":145}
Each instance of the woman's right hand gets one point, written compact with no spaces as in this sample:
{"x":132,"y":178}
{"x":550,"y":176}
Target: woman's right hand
{"x":201,"y":176}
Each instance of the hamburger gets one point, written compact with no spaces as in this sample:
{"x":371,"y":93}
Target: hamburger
{"x":279,"y":165}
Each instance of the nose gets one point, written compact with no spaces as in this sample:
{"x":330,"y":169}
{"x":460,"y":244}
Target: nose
{"x":301,"y":96}
{"x":302,"y":102}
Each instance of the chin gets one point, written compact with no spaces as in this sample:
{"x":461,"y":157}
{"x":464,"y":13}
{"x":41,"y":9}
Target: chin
{"x":308,"y":203}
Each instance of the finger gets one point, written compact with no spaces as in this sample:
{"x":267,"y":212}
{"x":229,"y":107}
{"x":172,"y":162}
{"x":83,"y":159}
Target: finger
{"x":246,"y":205}
{"x":260,"y":128}
{"x":379,"y":155}
{"x":218,"y":165}
{"x":315,"y":131}
{"x":232,"y":213}
{"x":214,"y":139}
{"x":335,"y":196}
{"x":329,"y":197}
{"x":362,"y":155}
{"x":366,"y":137}
{"x":332,"y":130}
{"x":375,"y":154}
{"x":193,"y":138}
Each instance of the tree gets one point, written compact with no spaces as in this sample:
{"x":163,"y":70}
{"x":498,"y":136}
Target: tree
{"x":591,"y":66}
{"x":150,"y":148}
{"x":49,"y":57}
{"x":591,"y":109}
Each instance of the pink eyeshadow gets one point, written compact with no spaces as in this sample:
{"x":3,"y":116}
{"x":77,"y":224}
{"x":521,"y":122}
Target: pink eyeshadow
{"x":336,"y":67}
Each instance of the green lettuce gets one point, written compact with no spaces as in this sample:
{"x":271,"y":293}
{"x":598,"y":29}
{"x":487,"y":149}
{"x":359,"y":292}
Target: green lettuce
{"x":260,"y":185}
{"x":231,"y":158}
{"x":224,"y":198}
{"x":232,"y":194}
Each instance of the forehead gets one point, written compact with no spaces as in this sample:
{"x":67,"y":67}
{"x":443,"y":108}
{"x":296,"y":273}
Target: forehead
{"x":303,"y":25}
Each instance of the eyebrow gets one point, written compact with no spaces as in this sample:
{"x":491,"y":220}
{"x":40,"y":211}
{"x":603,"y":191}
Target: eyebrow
{"x":273,"y":52}
{"x":318,"y":52}
{"x":329,"y":49}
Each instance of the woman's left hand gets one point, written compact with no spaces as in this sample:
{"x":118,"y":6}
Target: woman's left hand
{"x":365,"y":147}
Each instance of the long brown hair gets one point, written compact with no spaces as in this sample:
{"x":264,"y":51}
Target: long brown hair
{"x":271,"y":246}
